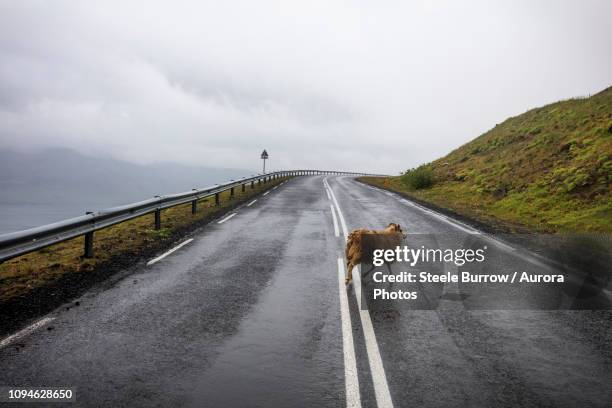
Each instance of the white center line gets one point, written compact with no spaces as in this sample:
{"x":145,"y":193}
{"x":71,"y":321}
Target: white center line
{"x":266,"y":193}
{"x":342,"y":221}
{"x":226,"y":218}
{"x":336,"y":231}
{"x":251,"y":203}
{"x":25,"y":332}
{"x":351,"y":380}
{"x":379,"y":378}
{"x":328,"y":196}
{"x":165,"y":254}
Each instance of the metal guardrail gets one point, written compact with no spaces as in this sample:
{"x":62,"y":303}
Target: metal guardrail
{"x":21,"y":242}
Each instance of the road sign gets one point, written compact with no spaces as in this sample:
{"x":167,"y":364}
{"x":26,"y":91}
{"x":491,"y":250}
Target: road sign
{"x":264,"y":157}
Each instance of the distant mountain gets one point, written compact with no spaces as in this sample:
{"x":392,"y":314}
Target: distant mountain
{"x":61,"y":175}
{"x":53,"y":184}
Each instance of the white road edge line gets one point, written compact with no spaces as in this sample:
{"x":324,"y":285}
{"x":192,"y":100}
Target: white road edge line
{"x":351,"y":380}
{"x":336,"y":231}
{"x":251,"y":203}
{"x":531,"y":257}
{"x":25,"y":332}
{"x":443,"y":218}
{"x":226,"y":218}
{"x":460,"y":225}
{"x":379,"y":378}
{"x":165,"y":254}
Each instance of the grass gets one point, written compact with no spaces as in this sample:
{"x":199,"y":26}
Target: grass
{"x":547,"y":170}
{"x":130,"y":239}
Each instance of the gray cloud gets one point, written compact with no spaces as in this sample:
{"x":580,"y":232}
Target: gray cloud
{"x":353,"y":85}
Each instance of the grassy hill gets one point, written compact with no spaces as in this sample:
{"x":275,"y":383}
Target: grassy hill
{"x":547,"y":170}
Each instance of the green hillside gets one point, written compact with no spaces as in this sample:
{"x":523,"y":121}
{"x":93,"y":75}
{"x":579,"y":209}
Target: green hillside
{"x":549,"y":169}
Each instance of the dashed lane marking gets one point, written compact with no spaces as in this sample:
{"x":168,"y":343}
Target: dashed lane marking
{"x":26,"y":332}
{"x":165,"y":254}
{"x":226,"y":218}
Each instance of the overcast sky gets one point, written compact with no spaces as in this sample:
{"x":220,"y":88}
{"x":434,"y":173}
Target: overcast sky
{"x":365,"y":85}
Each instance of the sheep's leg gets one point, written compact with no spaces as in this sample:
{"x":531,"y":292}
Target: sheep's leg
{"x":389,"y":268}
{"x":363,"y":275}
{"x":390,"y":284}
{"x":349,"y":273}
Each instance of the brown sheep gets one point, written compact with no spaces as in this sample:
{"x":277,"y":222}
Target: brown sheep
{"x":389,"y":238}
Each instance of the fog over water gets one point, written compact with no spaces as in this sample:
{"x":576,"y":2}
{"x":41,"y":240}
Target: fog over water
{"x":55,"y":184}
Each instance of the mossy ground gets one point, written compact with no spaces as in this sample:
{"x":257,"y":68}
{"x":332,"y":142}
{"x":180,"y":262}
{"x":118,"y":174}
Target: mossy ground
{"x":26,"y":273}
{"x":547,"y":170}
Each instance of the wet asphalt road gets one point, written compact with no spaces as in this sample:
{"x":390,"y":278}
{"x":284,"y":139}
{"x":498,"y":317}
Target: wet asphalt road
{"x":249,"y":315}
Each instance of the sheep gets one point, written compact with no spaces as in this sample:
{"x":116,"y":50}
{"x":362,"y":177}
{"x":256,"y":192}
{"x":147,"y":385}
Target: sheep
{"x":389,"y":238}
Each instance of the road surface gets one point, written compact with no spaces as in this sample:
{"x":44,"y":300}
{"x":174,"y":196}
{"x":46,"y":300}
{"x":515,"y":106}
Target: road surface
{"x":251,"y":311}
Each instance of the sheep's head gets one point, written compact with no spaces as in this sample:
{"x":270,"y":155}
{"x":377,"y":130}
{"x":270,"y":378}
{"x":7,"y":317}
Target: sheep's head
{"x":393,"y":227}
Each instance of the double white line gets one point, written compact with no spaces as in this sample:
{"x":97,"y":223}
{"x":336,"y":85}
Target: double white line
{"x":379,"y":378}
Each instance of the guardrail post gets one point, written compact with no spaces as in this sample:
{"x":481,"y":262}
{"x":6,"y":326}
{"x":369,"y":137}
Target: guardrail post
{"x":88,"y":251}
{"x":216,"y":199}
{"x":243,"y":188}
{"x":258,"y":181}
{"x":232,"y":192}
{"x":194,"y":204}
{"x":252,"y":184}
{"x":158,"y":219}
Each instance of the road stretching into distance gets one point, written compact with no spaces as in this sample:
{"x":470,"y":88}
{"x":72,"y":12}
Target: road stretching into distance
{"x":252,"y":311}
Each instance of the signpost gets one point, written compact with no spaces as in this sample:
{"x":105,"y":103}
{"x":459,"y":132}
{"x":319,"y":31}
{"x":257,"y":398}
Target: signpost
{"x":264,"y":157}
